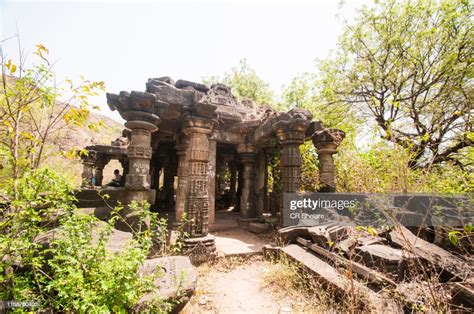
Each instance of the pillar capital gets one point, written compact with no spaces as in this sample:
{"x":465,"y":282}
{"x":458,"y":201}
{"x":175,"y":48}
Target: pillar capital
{"x":291,"y":137}
{"x":141,"y":125}
{"x":90,"y":158}
{"x":293,"y":130}
{"x":248,"y":158}
{"x":139,"y":151}
{"x":194,"y":125}
{"x":326,"y":141}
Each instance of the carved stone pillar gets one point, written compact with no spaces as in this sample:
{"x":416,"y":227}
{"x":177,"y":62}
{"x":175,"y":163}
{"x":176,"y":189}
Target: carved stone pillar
{"x":290,"y":160}
{"x":291,"y":134}
{"x":138,"y":109}
{"x":138,"y":181}
{"x":200,"y":246}
{"x":88,"y":162}
{"x":87,"y":173}
{"x":197,"y":199}
{"x":181,"y":150}
{"x":99,"y":175}
{"x":261,"y":182}
{"x":168,"y":182}
{"x":326,"y":142}
{"x":232,"y":183}
{"x":99,"y":170}
{"x":247,"y":199}
{"x":211,"y":172}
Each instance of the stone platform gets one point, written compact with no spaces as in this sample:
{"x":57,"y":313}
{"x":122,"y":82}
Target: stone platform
{"x":231,"y":239}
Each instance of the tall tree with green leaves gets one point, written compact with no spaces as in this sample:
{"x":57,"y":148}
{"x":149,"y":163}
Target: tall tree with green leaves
{"x":245,"y":83}
{"x":407,"y":67}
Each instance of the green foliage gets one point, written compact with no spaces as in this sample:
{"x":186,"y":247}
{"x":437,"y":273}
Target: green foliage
{"x":384,"y":167}
{"x":85,"y":277}
{"x":415,"y":86}
{"x":34,"y":111}
{"x":245,"y":83}
{"x":68,"y":269}
{"x":309,"y":168}
{"x":305,"y":91}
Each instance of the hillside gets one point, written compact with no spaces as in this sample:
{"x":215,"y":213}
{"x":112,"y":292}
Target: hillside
{"x":82,"y":137}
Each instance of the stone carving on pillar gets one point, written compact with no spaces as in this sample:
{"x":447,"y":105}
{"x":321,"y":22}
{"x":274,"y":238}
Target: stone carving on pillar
{"x":197,"y":200}
{"x":247,"y":199}
{"x":137,"y":108}
{"x":139,"y":155}
{"x":99,"y":169}
{"x":233,"y":182}
{"x":211,"y":177}
{"x":181,"y":151}
{"x":169,"y":171}
{"x":326,"y":141}
{"x":201,"y":245}
{"x":88,"y":162}
{"x":291,"y":134}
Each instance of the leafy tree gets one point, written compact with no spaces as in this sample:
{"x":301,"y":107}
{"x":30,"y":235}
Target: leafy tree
{"x":34,"y":111}
{"x":304,"y":92}
{"x":245,"y":83}
{"x":408,"y":67}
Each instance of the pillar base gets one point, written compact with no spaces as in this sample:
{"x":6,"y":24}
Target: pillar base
{"x":200,"y":249}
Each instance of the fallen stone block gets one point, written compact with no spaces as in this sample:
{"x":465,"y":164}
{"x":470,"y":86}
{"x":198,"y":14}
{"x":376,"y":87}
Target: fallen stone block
{"x":340,"y":284}
{"x":373,"y":276}
{"x":175,"y":283}
{"x":258,"y":227}
{"x":446,"y":264}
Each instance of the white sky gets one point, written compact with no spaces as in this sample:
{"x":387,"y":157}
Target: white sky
{"x":125,"y":43}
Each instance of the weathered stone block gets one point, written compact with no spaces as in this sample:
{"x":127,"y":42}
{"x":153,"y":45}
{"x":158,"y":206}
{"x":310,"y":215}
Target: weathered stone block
{"x":176,"y":282}
{"x":258,"y":227}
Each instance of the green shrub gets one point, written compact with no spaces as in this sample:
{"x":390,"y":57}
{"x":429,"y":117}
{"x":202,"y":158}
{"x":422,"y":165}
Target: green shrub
{"x":74,"y":271}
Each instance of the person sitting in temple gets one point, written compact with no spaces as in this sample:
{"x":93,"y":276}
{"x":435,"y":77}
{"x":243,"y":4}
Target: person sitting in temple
{"x":117,"y":180}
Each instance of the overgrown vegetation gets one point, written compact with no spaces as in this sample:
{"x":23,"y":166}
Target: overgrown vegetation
{"x":407,"y":66}
{"x":67,"y":268}
{"x":404,"y":99}
{"x":54,"y":256}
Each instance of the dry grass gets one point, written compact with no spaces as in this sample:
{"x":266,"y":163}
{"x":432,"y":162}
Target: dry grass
{"x":228,"y":263}
{"x":288,"y":280}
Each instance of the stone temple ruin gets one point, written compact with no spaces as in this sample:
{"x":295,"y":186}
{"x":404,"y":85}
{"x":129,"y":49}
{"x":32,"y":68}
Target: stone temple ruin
{"x":187,"y":146}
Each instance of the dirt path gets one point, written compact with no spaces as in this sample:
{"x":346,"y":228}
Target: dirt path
{"x":236,"y":291}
